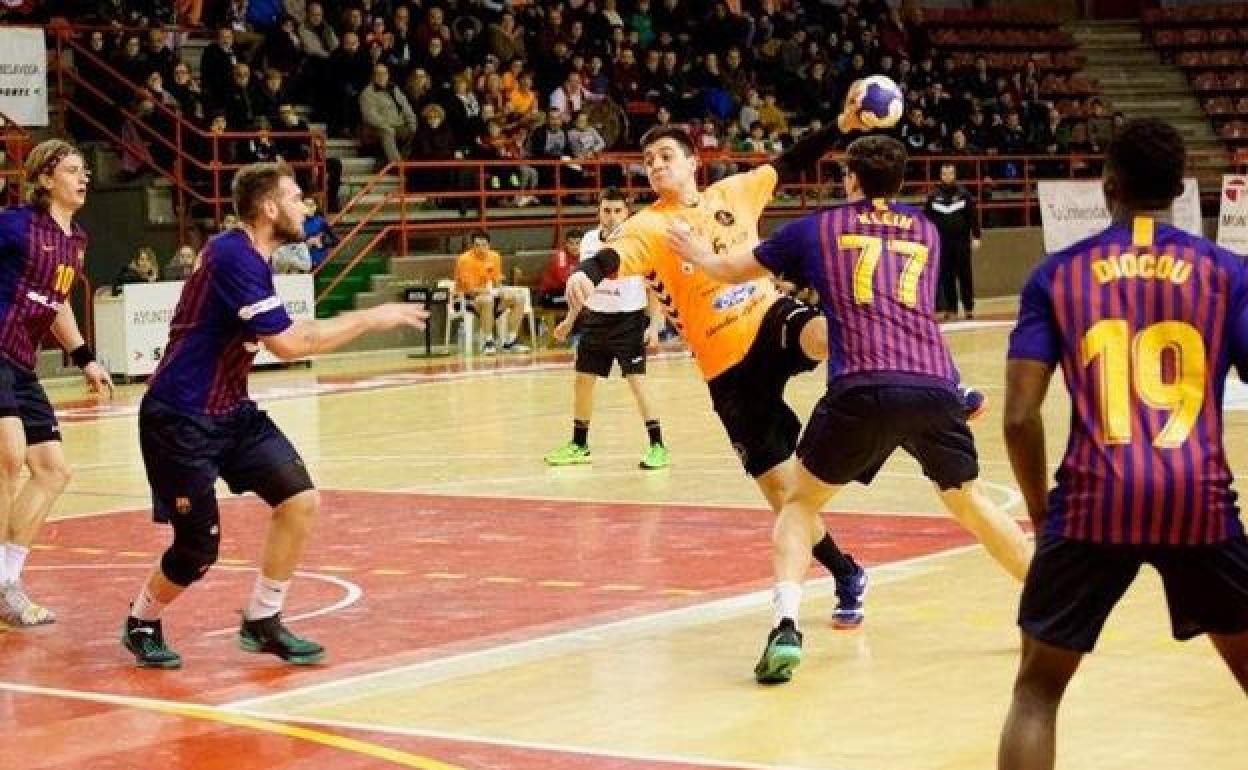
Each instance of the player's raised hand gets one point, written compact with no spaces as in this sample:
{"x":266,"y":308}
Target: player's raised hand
{"x":98,"y":380}
{"x":578,"y":291}
{"x":850,"y":118}
{"x":394,"y":314}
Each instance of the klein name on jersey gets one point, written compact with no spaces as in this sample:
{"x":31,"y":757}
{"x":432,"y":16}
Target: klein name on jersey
{"x":1150,"y":266}
{"x":886,"y":218}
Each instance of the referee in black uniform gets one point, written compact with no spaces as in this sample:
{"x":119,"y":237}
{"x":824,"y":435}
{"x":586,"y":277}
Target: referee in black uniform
{"x":951,"y":207}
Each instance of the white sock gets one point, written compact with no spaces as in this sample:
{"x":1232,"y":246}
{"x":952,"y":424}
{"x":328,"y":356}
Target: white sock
{"x":14,"y":560}
{"x":267,"y":598}
{"x":786,"y":602}
{"x":4,"y":569}
{"x":145,"y":606}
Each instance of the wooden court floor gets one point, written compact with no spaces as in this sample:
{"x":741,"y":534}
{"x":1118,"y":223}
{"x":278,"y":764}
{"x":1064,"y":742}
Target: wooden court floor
{"x":484,"y":611}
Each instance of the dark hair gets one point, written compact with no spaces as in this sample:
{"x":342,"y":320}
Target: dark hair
{"x":675,"y":133}
{"x":253,"y":183}
{"x":479,"y":234}
{"x":1147,"y":159}
{"x":879,"y":162}
{"x":613,"y":194}
{"x":574,"y":234}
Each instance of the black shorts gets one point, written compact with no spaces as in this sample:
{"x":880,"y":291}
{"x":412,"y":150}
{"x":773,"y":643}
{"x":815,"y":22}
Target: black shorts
{"x":185,"y":454}
{"x":853,"y":432}
{"x":610,"y":337}
{"x":749,"y":396}
{"x":22,"y":396}
{"x":1073,"y":585}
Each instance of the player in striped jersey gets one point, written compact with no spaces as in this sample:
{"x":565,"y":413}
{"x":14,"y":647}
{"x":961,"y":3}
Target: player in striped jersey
{"x":891,"y":380}
{"x":197,"y":422}
{"x":41,"y":257}
{"x":1145,"y":321}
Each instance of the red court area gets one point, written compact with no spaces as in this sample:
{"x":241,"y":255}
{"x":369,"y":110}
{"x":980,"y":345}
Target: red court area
{"x":390,"y":579}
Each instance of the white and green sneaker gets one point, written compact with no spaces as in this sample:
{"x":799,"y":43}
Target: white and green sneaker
{"x":570,"y":453}
{"x":657,"y":456}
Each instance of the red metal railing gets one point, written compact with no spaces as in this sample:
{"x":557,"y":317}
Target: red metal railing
{"x":196,"y":163}
{"x":16,"y":143}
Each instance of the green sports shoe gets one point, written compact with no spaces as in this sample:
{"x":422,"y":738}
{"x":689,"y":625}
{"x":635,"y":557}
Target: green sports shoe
{"x":782,"y":654}
{"x":570,"y":453}
{"x":269,"y":635}
{"x":146,"y":641}
{"x":657,"y":456}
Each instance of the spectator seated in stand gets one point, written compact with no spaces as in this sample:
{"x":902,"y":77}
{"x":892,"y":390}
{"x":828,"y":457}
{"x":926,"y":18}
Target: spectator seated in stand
{"x":180,"y":266}
{"x":141,"y":268}
{"x":550,"y":289}
{"x":479,"y":277}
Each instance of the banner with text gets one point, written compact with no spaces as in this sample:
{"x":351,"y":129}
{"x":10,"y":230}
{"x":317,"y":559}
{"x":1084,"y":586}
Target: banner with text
{"x":1233,"y":215}
{"x":1073,"y":209}
{"x":24,"y":75}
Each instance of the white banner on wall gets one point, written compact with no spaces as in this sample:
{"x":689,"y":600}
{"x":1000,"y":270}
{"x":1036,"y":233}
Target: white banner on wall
{"x":132,"y":330}
{"x":1233,"y":214}
{"x":24,"y":75}
{"x":1073,"y":209}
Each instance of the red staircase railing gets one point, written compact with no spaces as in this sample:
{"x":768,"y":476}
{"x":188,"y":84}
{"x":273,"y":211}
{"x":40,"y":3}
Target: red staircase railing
{"x":196,"y":167}
{"x":16,"y":142}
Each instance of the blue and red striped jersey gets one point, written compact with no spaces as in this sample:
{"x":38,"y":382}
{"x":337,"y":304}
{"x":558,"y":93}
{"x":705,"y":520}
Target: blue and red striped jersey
{"x":874,"y":265}
{"x":1145,"y":321}
{"x":225,"y":307}
{"x":38,"y":266}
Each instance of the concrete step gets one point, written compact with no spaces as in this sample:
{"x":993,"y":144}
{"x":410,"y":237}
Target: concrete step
{"x":1123,"y":92}
{"x":1128,"y":58}
{"x":1106,"y":25}
{"x":342,"y":148}
{"x":1110,"y":77}
{"x":1123,"y":36}
{"x":354,"y":165}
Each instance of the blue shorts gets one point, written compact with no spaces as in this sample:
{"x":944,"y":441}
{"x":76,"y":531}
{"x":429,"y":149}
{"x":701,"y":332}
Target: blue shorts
{"x":853,"y":432}
{"x":1073,"y":585}
{"x":22,"y":396}
{"x":184,"y":455}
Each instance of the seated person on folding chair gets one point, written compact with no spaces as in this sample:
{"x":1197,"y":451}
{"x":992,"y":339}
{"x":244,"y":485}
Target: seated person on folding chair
{"x":478,"y":276}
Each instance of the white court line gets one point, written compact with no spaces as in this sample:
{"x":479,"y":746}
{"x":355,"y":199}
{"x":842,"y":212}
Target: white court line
{"x":352,"y":593}
{"x":223,"y":715}
{"x":416,"y":732}
{"x":541,"y":647}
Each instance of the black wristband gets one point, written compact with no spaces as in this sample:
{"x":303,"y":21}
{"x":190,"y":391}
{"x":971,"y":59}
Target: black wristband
{"x":82,"y":355}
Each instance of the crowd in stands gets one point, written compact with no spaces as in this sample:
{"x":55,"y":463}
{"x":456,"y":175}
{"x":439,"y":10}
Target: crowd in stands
{"x":476,"y":79}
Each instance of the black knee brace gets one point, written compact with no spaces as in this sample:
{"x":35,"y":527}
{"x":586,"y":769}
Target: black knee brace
{"x":196,"y":541}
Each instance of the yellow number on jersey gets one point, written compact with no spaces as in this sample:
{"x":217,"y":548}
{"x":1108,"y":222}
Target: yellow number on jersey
{"x":1143,"y":357}
{"x":870,"y":247}
{"x":64,"y":279}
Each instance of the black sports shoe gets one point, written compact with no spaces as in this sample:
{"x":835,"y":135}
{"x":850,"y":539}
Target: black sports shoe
{"x":145,"y":640}
{"x":782,"y":654}
{"x":269,"y":635}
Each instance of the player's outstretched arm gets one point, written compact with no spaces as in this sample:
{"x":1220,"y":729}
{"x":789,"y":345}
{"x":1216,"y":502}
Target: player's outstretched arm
{"x":1026,"y":382}
{"x":308,"y":337}
{"x":806,"y":152}
{"x":732,"y":266}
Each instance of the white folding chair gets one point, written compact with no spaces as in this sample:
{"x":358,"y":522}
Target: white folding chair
{"x":458,"y":309}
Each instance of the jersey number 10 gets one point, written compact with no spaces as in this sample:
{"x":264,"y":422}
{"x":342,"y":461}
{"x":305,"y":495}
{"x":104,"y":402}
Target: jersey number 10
{"x":869,"y":248}
{"x":1141,"y":359}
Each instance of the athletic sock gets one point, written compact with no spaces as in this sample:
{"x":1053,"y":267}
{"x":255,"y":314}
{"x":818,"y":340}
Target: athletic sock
{"x":4,"y":569}
{"x":145,"y":606}
{"x":830,"y":556}
{"x":786,"y":602}
{"x":267,"y":598}
{"x":14,"y":560}
{"x":580,"y":433}
{"x":656,"y":433}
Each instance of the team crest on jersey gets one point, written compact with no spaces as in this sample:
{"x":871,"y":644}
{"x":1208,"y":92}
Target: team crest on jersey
{"x":686,"y":267}
{"x":182,"y":505}
{"x":725,"y":218}
{"x":734,"y":295}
